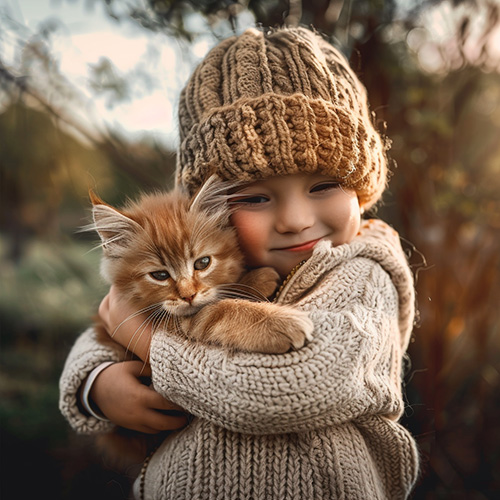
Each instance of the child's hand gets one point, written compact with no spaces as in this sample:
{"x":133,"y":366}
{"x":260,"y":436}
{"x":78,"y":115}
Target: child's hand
{"x":123,"y":399}
{"x":130,"y":330}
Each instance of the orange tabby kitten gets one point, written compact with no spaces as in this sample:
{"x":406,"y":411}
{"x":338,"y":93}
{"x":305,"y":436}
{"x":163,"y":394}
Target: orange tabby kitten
{"x":177,"y":259}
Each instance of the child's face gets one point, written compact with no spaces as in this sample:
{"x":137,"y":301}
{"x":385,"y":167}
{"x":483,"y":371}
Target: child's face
{"x":279,"y":220}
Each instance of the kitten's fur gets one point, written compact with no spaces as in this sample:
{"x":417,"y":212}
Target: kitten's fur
{"x":178,"y":260}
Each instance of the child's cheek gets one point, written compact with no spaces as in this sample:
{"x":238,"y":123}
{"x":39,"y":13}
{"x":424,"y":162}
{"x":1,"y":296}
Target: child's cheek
{"x":251,"y":235}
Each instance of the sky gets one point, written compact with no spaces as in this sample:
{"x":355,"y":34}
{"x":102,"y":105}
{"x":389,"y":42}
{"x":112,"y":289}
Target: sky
{"x":86,"y":35}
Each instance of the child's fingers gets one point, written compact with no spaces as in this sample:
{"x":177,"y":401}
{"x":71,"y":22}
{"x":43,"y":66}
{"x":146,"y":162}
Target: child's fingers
{"x":158,"y":402}
{"x":160,"y":422}
{"x":127,"y":402}
{"x":142,"y":369}
{"x":153,"y":399}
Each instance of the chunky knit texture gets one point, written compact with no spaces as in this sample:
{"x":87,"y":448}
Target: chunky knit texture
{"x":276,"y":103}
{"x":317,"y":423}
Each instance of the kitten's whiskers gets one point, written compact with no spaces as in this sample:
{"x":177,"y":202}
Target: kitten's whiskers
{"x":141,"y":328}
{"x":135,"y":314}
{"x":240,"y":290}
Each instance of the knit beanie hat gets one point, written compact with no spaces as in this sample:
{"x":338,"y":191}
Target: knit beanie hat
{"x":274,"y":103}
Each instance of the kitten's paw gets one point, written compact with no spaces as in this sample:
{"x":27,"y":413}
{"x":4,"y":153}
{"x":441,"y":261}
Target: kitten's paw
{"x":252,"y":326}
{"x":304,"y":324}
{"x":288,"y":330}
{"x":263,"y":279}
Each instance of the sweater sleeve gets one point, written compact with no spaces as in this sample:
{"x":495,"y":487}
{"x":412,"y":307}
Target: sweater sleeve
{"x":350,"y":368}
{"x":86,"y":354}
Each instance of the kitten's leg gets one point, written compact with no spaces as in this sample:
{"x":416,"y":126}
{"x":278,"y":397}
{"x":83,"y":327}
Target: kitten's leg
{"x":252,"y":326}
{"x":263,"y":279}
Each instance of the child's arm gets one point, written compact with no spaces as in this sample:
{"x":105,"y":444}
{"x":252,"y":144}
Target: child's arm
{"x":85,"y":355}
{"x":350,"y":368}
{"x":123,"y":399}
{"x":117,"y":391}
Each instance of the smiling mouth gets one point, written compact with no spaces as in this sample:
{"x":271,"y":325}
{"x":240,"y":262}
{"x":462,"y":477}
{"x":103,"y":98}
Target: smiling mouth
{"x":303,"y":247}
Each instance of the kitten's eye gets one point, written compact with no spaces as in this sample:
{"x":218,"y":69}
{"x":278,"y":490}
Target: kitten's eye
{"x":324,"y":186}
{"x":160,"y":275}
{"x":202,"y":263}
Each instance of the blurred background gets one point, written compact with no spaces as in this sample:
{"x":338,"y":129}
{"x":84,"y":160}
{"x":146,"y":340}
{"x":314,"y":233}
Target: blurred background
{"x":88,"y":99}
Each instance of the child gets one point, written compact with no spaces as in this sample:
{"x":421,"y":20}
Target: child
{"x":283,"y":112}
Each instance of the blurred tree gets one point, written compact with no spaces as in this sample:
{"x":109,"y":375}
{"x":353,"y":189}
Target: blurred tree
{"x":46,"y":144}
{"x":33,"y":174}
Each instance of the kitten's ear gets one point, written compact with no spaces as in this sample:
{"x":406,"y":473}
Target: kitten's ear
{"x":213,"y":197}
{"x":114,"y":228}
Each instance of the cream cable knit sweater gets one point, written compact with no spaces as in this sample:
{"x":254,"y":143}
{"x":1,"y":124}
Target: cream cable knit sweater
{"x":318,"y":423}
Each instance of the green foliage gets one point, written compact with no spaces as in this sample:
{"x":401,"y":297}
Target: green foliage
{"x":46,"y":299}
{"x":53,"y":290}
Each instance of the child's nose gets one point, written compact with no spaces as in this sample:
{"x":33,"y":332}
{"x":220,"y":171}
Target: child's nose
{"x":294,"y":216}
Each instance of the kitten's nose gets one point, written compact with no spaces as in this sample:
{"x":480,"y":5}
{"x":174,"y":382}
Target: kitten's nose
{"x":190,"y":298}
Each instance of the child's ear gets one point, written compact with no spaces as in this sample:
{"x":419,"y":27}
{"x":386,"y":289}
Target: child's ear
{"x":361,"y":206}
{"x":114,"y":228}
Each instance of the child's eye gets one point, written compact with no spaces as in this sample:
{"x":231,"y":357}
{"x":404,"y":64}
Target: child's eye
{"x":250,"y":200}
{"x":202,"y":263}
{"x":324,"y":186}
{"x":160,"y":275}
